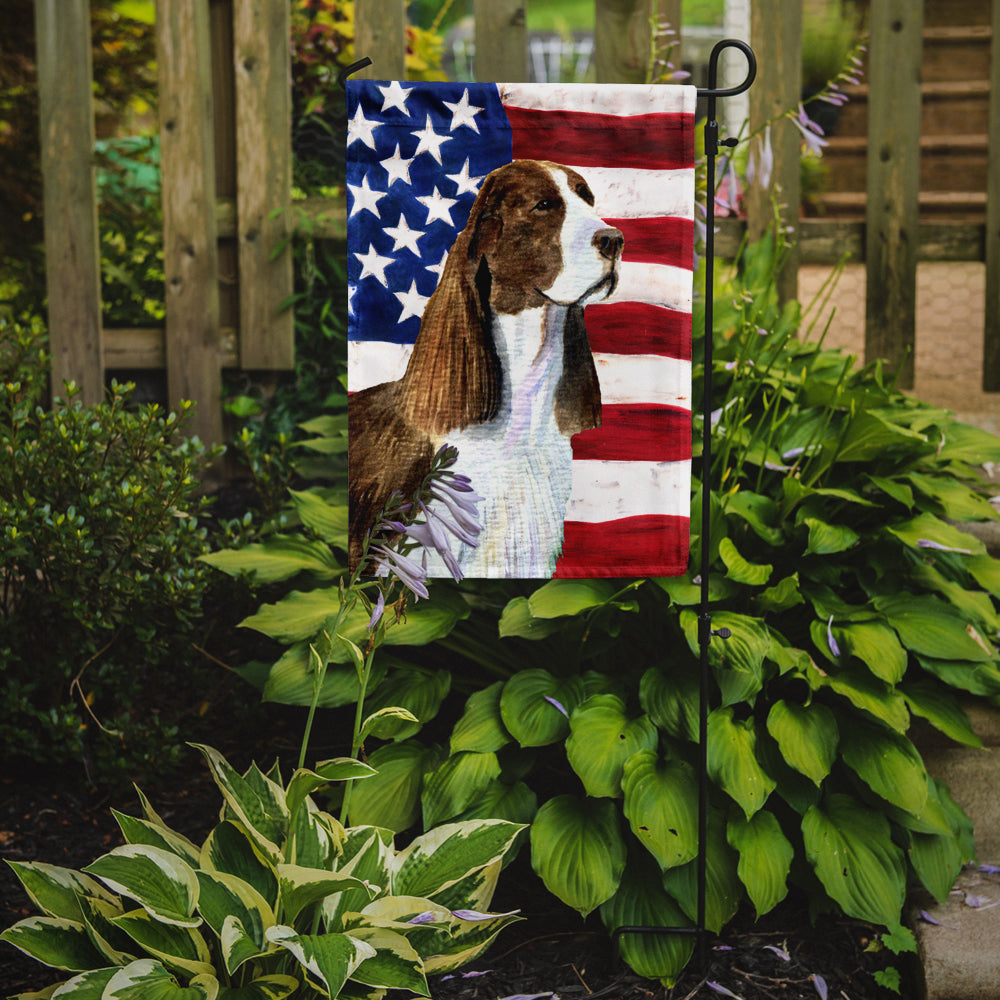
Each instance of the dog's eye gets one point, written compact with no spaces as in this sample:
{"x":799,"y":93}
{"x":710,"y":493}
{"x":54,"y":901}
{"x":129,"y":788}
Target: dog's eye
{"x":546,"y":205}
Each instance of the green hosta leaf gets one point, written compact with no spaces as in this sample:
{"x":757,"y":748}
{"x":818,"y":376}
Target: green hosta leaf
{"x":976,"y":605}
{"x":941,"y":709}
{"x":230,"y":849}
{"x":395,"y":964}
{"x":279,"y":558}
{"x":876,"y":646}
{"x":327,"y":520}
{"x":671,"y":699}
{"x":752,"y":574}
{"x":602,"y":738}
{"x":661,"y":798}
{"x":415,"y":689}
{"x":443,"y":856}
{"x":888,"y":763}
{"x":275,"y":987}
{"x":558,"y":598}
{"x":147,"y":979}
{"x":965,"y":443}
{"x":807,"y":736}
{"x":517,"y":620}
{"x":456,"y":784}
{"x":765,"y":858}
{"x":937,"y":858}
{"x":54,"y":941}
{"x":56,"y":891}
{"x":957,"y":501}
{"x":141,"y":831}
{"x":723,"y":889}
{"x":527,"y":711}
{"x":870,"y":435}
{"x":976,"y":678}
{"x":391,"y":798}
{"x":292,"y":680}
{"x":865,"y":692}
{"x":260,"y":809}
{"x":180,"y":948}
{"x":683,"y":592}
{"x":225,"y":897}
{"x":516,"y":803}
{"x":850,"y":847}
{"x":578,"y":851}
{"x":330,"y":959}
{"x":159,"y":881}
{"x":738,"y":661}
{"x":932,"y":628}
{"x":732,"y":760}
{"x":481,"y":728}
{"x":783,"y":595}
{"x":928,"y":528}
{"x":641,"y":901}
{"x":301,"y":887}
{"x":827,"y":539}
{"x":986,"y":571}
{"x":893,"y":488}
{"x":758,"y":511}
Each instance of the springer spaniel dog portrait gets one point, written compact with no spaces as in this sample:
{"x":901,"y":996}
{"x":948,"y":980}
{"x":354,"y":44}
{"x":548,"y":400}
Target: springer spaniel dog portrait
{"x":501,"y":369}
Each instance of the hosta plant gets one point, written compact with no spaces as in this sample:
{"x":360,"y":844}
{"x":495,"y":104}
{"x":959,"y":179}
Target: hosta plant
{"x":279,"y":900}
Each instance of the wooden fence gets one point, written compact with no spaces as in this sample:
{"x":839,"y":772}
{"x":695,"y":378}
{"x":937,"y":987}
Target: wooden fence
{"x":226,"y":160}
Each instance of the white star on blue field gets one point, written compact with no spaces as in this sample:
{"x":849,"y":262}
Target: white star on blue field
{"x":416,"y":157}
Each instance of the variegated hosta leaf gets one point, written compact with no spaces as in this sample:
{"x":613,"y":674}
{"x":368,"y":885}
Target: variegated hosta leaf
{"x":177,"y":947}
{"x":850,"y":847}
{"x":300,"y":887}
{"x":476,"y":890}
{"x":158,"y":880}
{"x":224,"y":897}
{"x":367,"y":853}
{"x":395,"y":964}
{"x":732,"y":760}
{"x":116,"y":946}
{"x":642,"y":902}
{"x":141,"y":831}
{"x":467,"y":940}
{"x":329,"y":959}
{"x":765,"y":858}
{"x":578,"y":851}
{"x":256,"y":801}
{"x":230,"y":849}
{"x":56,"y":891}
{"x":456,"y":784}
{"x":661,"y":799}
{"x":807,"y":736}
{"x":274,"y":987}
{"x":723,"y":890}
{"x":602,"y":737}
{"x":441,"y":857}
{"x":304,"y":782}
{"x":86,"y":986}
{"x":54,"y":941}
{"x":481,"y":727}
{"x":147,"y":979}
{"x":535,"y":706}
{"x":315,"y":838}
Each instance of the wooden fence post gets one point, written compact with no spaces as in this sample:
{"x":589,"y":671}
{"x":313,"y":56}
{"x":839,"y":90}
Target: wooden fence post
{"x":776,"y":35}
{"x":262,"y":60}
{"x":893,"y":183}
{"x":622,"y":40}
{"x":501,"y":41}
{"x":72,"y":255}
{"x":991,"y":333}
{"x":190,"y":251}
{"x":380,"y":34}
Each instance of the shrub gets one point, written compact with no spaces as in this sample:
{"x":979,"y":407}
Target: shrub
{"x":99,"y":540}
{"x":280,"y":899}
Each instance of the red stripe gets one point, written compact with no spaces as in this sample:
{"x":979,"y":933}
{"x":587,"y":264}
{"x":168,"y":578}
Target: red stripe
{"x":645,"y":432}
{"x":638,"y":328}
{"x":657,"y":240}
{"x":651,"y":545}
{"x":584,"y":139}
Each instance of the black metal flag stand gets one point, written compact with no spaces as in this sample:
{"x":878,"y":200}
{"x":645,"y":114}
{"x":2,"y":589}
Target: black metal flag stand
{"x":705,"y":631}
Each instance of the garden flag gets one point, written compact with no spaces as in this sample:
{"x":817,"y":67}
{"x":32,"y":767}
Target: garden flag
{"x":520,"y":282}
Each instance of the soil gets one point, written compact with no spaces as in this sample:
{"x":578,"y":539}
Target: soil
{"x":550,"y":953}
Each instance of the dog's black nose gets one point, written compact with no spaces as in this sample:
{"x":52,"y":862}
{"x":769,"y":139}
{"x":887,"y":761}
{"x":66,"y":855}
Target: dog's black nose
{"x":609,"y":243}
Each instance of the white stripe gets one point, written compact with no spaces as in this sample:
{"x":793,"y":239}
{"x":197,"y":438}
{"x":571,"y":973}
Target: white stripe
{"x":370,"y":362}
{"x":659,"y":284}
{"x":605,"y":491}
{"x":627,"y":379}
{"x":637,"y":99}
{"x":633,"y":193}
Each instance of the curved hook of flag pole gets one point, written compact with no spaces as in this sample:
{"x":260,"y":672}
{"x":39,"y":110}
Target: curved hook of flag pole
{"x":352,"y":68}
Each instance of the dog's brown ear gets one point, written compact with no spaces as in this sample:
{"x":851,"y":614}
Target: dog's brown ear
{"x":453,"y":378}
{"x":578,"y":394}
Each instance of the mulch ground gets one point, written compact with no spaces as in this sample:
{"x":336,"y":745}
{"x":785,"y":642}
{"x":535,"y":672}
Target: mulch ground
{"x":551,"y":953}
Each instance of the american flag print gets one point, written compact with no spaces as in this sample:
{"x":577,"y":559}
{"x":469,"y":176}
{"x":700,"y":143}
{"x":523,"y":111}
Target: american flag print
{"x":417,"y":154}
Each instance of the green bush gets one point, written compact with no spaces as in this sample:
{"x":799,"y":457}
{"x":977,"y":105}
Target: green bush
{"x":99,"y":546}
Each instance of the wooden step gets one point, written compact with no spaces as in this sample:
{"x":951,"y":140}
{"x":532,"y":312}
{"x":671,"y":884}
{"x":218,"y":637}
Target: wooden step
{"x":957,"y":206}
{"x":956,"y":53}
{"x":939,"y":13}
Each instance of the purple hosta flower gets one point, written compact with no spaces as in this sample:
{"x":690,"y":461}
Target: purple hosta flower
{"x":761,"y":163}
{"x":475,"y":915}
{"x":990,"y":869}
{"x":834,"y":648}
{"x":427,"y":917}
{"x":465,"y":975}
{"x":457,"y":494}
{"x":927,"y":543}
{"x":410,"y":573}
{"x":820,"y":983}
{"x":559,"y":705}
{"x":377,"y":612}
{"x":812,"y":134}
{"x":719,"y":988}
{"x":780,"y":952}
{"x":728,"y":195}
{"x":531,"y":996}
